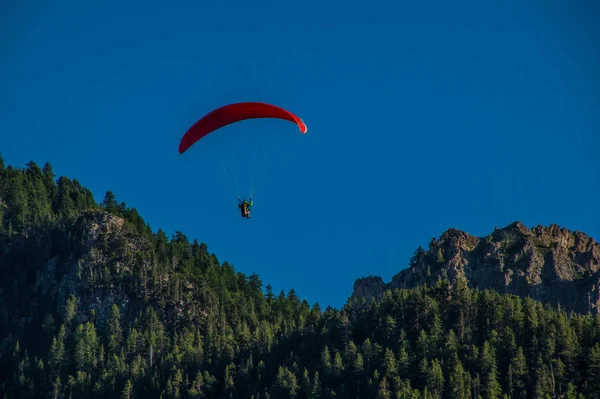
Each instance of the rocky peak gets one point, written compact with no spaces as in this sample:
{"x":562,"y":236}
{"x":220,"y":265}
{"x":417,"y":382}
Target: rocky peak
{"x":369,"y":287}
{"x":517,"y":227}
{"x":549,"y":263}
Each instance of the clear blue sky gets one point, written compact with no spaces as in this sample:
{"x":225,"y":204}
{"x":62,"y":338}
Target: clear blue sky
{"x":421,"y":116}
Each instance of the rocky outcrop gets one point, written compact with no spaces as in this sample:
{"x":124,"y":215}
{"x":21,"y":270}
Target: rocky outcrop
{"x":369,"y":287}
{"x":547,"y":263}
{"x":105,"y":262}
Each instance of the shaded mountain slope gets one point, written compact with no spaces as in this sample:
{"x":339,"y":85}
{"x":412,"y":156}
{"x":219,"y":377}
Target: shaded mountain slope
{"x":94,"y":304}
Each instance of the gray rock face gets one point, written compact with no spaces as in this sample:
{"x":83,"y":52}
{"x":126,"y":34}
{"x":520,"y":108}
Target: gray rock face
{"x":550,"y":264}
{"x":369,"y":287}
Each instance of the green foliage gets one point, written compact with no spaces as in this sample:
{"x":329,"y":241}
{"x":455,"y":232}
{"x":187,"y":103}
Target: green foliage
{"x":440,"y":256}
{"x":140,"y":314}
{"x":30,"y":197}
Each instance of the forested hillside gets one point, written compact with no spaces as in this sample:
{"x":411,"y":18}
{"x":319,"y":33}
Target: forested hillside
{"x":94,"y":303}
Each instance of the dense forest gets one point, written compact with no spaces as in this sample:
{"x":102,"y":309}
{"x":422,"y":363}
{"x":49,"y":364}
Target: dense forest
{"x":94,"y":303}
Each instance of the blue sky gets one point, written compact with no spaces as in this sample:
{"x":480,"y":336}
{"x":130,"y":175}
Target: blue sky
{"x":421,"y":116}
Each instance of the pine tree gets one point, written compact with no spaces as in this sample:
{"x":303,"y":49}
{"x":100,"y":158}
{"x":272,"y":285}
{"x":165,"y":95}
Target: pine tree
{"x":456,"y":383}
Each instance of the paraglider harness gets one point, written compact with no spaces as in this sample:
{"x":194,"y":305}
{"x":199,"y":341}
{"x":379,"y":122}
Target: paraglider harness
{"x":245,"y":207}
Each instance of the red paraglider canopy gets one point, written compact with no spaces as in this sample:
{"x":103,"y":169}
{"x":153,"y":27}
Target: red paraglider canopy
{"x":232,"y":113}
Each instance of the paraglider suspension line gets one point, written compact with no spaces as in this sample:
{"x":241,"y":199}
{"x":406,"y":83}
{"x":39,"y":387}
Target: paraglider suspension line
{"x":254,"y":166}
{"x":234,"y":186}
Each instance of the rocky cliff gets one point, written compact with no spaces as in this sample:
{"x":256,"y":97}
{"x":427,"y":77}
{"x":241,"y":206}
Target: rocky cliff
{"x":100,"y":260}
{"x":550,"y":264}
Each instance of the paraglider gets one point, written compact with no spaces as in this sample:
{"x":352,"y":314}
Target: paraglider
{"x":233,"y":113}
{"x":245,"y":207}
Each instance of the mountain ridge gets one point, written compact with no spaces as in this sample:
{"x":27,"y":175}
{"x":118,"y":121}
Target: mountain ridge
{"x":95,"y":304}
{"x":547,"y":263}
